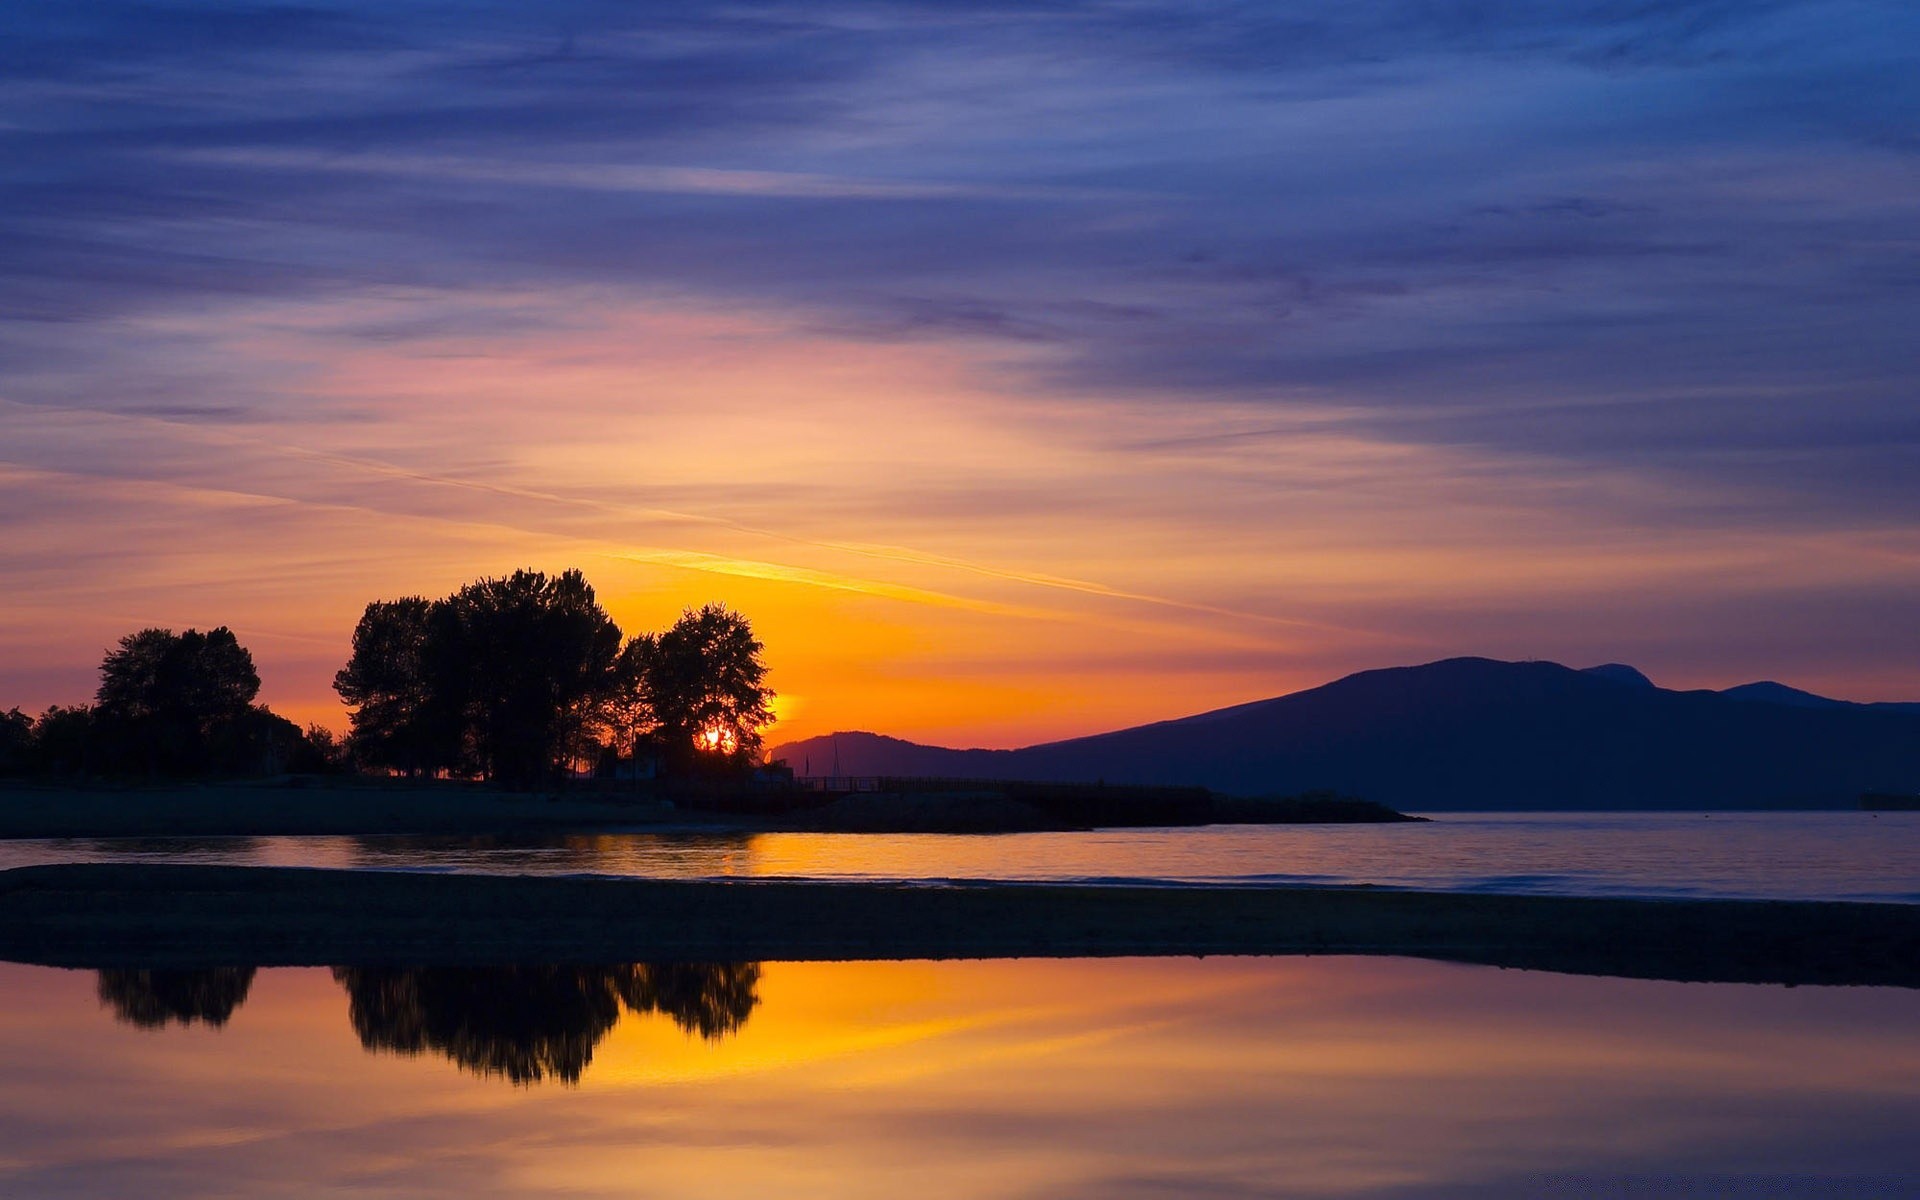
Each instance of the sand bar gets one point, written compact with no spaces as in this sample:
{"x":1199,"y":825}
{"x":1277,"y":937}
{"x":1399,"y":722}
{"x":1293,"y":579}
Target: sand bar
{"x":156,"y":915}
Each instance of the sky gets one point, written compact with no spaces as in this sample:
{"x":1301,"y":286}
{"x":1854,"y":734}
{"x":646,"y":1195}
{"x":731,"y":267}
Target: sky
{"x":1020,"y":370}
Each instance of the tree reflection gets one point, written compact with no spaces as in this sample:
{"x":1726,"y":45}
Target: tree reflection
{"x":152,"y":999}
{"x":710,"y":999}
{"x":534,"y":1023}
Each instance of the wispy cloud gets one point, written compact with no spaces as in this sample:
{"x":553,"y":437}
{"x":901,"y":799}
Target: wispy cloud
{"x":604,"y":177}
{"x":717,"y":564}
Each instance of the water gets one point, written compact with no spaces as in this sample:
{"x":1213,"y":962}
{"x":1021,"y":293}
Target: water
{"x":1831,"y":855}
{"x":1317,"y":1077}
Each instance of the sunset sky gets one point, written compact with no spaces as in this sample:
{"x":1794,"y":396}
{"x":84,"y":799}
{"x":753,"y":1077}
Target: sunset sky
{"x":1021,"y":370}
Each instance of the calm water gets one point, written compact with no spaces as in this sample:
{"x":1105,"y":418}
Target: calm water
{"x":1111,"y":1078}
{"x":1855,"y":856}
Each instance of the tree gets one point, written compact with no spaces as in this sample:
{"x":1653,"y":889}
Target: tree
{"x":322,"y":752}
{"x":531,"y":658}
{"x":395,"y":721}
{"x":64,"y":741}
{"x":506,"y":678}
{"x":164,"y":697}
{"x":516,"y":678}
{"x":16,"y":742}
{"x":705,"y":686}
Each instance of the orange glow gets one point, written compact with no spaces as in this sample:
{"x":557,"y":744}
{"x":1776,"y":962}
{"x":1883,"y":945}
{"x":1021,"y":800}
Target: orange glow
{"x":924,"y":552}
{"x":717,"y":739}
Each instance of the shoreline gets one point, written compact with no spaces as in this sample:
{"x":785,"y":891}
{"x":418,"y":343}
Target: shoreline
{"x":305,"y":807}
{"x":166,"y":915}
{"x":324,"y":809}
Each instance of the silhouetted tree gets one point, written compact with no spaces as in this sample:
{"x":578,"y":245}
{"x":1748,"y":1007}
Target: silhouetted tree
{"x":625,"y":720}
{"x":321,"y":752}
{"x":63,"y":742}
{"x":704,"y":685}
{"x":165,"y":697}
{"x":16,"y":742}
{"x":258,"y":741}
{"x":505,"y":678}
{"x":517,"y":677}
{"x":396,"y":721}
{"x":151,"y":999}
{"x":531,"y":658}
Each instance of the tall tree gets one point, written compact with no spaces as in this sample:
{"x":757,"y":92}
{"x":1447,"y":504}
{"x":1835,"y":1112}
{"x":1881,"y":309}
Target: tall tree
{"x":706,"y":686}
{"x":396,"y":722}
{"x":527,"y":660}
{"x":164,"y":697}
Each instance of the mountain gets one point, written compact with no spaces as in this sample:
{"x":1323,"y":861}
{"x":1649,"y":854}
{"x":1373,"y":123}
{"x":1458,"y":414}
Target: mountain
{"x":1620,"y":673}
{"x":1468,"y":734}
{"x":1768,"y":692}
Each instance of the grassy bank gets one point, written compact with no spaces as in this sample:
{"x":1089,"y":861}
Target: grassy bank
{"x":161,"y":915}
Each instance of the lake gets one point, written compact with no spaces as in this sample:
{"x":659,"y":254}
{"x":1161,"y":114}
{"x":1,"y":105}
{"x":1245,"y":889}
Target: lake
{"x":1826,"y":855}
{"x":1058,"y":1078}
{"x":1337,"y":1077}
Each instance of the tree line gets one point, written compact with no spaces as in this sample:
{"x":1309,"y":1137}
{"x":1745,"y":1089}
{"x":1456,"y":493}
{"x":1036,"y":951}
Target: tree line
{"x":169,"y":706}
{"x":519,"y":680}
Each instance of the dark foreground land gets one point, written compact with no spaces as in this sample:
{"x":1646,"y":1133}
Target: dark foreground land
{"x":119,"y":915}
{"x":303,"y":808}
{"x":321,"y":806}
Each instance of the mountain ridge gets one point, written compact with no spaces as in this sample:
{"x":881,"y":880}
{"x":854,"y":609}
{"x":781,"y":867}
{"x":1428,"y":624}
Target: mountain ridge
{"x":1468,"y":733}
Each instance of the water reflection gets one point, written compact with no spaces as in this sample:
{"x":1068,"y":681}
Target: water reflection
{"x":1827,"y":855}
{"x":187,"y":848}
{"x":710,"y":999}
{"x":155,"y":999}
{"x":524,"y":1024}
{"x":684,"y":855}
{"x":535,"y":1023}
{"x":527,"y":1024}
{"x":1337,"y":1078}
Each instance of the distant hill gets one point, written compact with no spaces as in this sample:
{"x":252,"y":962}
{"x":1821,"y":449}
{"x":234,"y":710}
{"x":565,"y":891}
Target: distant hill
{"x":1466,"y":734}
{"x":1769,"y":692}
{"x":1620,"y":673}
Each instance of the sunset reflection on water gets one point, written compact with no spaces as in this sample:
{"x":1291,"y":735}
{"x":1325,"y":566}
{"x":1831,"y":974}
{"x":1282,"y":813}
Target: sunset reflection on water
{"x":1331,"y":1076}
{"x":1756,"y":855}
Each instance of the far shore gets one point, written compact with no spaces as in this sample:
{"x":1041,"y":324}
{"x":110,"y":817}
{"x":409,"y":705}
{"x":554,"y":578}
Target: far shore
{"x":178,"y":916}
{"x":323,"y":806}
{"x":314,"y":808}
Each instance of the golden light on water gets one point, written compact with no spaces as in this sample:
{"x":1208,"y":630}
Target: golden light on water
{"x":991,"y":1077}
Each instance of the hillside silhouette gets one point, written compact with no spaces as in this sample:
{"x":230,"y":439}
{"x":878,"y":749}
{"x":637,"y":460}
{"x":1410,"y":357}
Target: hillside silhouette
{"x":1470,"y":734}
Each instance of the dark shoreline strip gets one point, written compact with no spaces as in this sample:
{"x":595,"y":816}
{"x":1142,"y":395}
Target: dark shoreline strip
{"x":151,"y":915}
